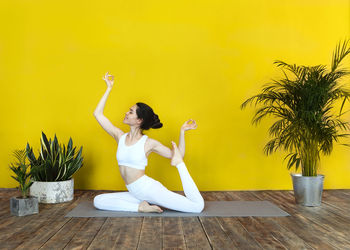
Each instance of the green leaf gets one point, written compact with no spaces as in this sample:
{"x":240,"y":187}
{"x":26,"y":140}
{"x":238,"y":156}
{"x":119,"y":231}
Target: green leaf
{"x":45,"y":143}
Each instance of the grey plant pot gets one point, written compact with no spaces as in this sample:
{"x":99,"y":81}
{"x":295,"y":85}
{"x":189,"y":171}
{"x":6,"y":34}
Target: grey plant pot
{"x":53,"y":191}
{"x":24,"y":206}
{"x":308,"y":189}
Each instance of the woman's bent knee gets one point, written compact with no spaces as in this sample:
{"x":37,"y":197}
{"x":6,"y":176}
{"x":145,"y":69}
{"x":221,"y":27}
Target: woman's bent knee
{"x":97,"y":202}
{"x":199,"y":207}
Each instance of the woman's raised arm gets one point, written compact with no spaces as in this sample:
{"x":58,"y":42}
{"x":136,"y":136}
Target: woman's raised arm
{"x":101,"y":105}
{"x":186,"y":126}
{"x":98,"y":113}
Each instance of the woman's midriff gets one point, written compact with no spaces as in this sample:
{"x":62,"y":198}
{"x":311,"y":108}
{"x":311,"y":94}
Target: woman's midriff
{"x":130,"y":175}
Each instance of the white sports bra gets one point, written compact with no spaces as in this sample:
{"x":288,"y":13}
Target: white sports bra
{"x":134,"y":155}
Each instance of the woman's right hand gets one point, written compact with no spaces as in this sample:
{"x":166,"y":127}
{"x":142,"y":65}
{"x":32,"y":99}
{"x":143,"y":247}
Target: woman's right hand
{"x":108,"y":81}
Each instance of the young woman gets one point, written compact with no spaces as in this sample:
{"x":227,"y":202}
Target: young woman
{"x":145,"y":194}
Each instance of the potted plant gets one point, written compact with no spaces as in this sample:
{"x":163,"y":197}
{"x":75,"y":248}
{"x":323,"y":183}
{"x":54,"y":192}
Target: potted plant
{"x":52,"y":171}
{"x":24,"y":204}
{"x":304,"y":102}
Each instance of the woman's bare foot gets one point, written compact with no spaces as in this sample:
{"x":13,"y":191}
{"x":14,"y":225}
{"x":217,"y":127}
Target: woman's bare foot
{"x":176,"y":155}
{"x":145,"y":207}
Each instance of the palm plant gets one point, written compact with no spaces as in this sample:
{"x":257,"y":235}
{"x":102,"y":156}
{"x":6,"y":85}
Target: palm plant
{"x":303,"y":103}
{"x":55,"y":162}
{"x":20,"y":168}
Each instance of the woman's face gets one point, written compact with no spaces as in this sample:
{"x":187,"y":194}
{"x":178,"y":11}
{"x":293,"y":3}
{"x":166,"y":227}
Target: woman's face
{"x":131,"y":117}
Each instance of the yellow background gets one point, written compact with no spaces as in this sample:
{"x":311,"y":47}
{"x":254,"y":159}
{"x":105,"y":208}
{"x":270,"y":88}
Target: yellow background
{"x":186,"y":59}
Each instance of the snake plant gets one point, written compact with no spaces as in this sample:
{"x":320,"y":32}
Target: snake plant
{"x":303,"y":104}
{"x":54,"y":162}
{"x":22,"y":175}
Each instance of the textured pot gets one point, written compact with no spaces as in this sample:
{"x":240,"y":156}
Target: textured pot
{"x":53,"y":191}
{"x":308,"y":189}
{"x":24,"y":206}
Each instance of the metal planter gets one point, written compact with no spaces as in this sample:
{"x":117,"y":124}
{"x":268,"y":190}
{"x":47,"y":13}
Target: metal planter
{"x":53,"y":191}
{"x":308,"y":189}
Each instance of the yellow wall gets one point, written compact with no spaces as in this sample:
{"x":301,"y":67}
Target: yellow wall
{"x":186,"y":59}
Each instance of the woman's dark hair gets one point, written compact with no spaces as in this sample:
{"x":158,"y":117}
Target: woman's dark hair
{"x":150,"y":119}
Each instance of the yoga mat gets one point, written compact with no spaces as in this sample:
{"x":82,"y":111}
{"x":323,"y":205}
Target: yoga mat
{"x":211,"y":209}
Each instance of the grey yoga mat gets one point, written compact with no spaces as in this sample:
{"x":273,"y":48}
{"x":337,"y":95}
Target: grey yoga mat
{"x":211,"y":209}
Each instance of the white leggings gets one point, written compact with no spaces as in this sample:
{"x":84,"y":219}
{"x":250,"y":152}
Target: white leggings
{"x":147,"y":189}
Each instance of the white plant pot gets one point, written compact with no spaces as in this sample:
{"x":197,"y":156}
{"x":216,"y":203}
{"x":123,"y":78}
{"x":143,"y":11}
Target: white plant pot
{"x":53,"y":191}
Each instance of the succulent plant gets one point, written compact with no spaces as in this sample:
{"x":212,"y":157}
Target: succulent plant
{"x":55,"y":162}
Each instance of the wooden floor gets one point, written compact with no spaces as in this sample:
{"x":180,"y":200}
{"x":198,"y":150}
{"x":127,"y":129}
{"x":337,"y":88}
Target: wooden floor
{"x":325,"y":227}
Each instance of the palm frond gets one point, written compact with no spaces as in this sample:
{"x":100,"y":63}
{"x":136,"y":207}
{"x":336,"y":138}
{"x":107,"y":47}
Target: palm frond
{"x":340,"y":52}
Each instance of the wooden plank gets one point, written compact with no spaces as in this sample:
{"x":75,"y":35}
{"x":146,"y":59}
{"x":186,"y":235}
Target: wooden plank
{"x":23,"y":228}
{"x":326,"y":217}
{"x":173,"y":235}
{"x":108,"y":234}
{"x":260,"y":195}
{"x":6,"y":218}
{"x":151,"y":233}
{"x":287,"y":238}
{"x":216,"y":235}
{"x":337,"y":199}
{"x":209,"y":196}
{"x":243,"y":195}
{"x":324,"y":227}
{"x":7,"y":193}
{"x":130,"y":234}
{"x":341,"y":212}
{"x":345,"y":192}
{"x":86,"y":234}
{"x":340,"y":193}
{"x":7,"y":223}
{"x":12,"y":230}
{"x":219,"y":196}
{"x":50,"y":225}
{"x":194,"y":234}
{"x":5,"y":197}
{"x":118,"y":233}
{"x":306,"y":229}
{"x":262,"y":235}
{"x":240,"y":237}
{"x":65,"y":234}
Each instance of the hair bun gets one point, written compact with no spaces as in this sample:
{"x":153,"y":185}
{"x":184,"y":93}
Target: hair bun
{"x":150,"y":119}
{"x":156,"y":122}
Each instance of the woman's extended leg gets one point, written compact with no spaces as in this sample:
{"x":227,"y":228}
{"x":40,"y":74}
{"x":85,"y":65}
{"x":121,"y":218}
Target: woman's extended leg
{"x":193,"y":201}
{"x":190,"y":189}
{"x":154,"y":192}
{"x":119,"y":201}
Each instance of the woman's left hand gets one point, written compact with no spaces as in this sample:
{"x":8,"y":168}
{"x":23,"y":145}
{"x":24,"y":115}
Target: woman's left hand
{"x":188,"y":125}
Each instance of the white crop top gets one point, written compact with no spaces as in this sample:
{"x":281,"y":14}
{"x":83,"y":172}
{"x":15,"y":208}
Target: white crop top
{"x":134,"y":155}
